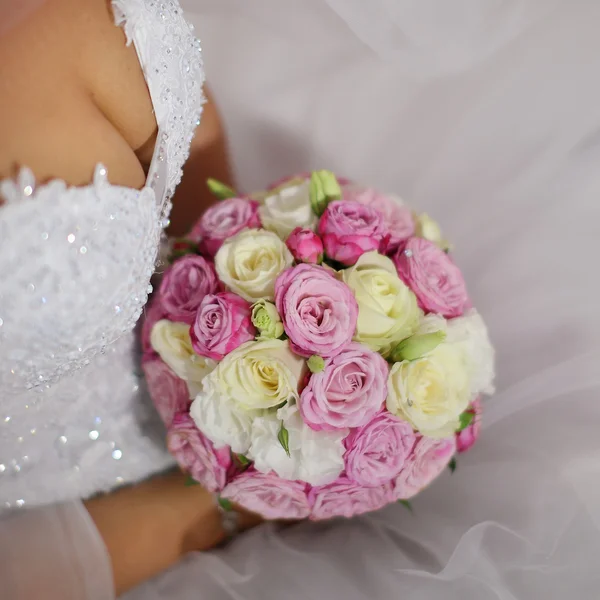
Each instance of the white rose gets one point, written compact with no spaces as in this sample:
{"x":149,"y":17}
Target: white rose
{"x":431,"y":392}
{"x":171,"y":341}
{"x":261,"y":374}
{"x":287,"y":208}
{"x":387,"y":309}
{"x":250,"y":262}
{"x":470,"y":335}
{"x":316,"y":457}
{"x":262,"y":194}
{"x":220,"y":419}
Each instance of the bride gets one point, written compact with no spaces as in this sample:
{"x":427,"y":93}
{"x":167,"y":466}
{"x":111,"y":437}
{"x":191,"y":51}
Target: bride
{"x":99,"y":105}
{"x":99,"y":101}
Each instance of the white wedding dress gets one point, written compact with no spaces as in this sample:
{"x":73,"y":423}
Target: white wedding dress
{"x":487,"y":116}
{"x":76,"y":264}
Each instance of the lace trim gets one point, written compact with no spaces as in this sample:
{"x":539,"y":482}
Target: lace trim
{"x":177,"y":100}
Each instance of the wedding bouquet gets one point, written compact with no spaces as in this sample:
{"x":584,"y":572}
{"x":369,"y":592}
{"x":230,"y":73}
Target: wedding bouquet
{"x":313,"y":350}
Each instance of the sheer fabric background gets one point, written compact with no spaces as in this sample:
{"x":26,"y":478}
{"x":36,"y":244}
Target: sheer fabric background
{"x":503,"y":147}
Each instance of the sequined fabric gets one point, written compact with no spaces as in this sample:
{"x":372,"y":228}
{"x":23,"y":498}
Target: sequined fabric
{"x":76,"y":264}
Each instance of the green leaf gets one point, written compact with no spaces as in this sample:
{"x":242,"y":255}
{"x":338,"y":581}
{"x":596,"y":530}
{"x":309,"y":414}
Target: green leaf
{"x":466,"y":419}
{"x":416,"y":346}
{"x":220,"y":190}
{"x":315,"y":363}
{"x":281,"y":405}
{"x":284,"y":439}
{"x":190,"y":481}
{"x":225,"y":504}
{"x":243,"y":460}
{"x":406,"y":504}
{"x":452,"y":465}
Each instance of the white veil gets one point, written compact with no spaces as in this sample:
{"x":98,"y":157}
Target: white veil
{"x":487,"y":115}
{"x":435,"y":36}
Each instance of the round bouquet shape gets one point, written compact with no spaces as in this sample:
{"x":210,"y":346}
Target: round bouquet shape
{"x":313,"y":351}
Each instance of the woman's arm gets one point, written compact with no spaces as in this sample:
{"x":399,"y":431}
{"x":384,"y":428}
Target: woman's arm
{"x":149,"y":527}
{"x":89,"y":551}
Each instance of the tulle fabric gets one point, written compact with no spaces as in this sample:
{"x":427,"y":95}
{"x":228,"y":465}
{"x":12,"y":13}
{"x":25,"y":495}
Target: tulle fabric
{"x":504,"y":152}
{"x":55,"y":553}
{"x":429,"y":37}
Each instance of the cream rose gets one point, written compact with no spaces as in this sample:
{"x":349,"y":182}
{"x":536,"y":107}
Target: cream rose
{"x":430,"y":392}
{"x":287,"y":208}
{"x":429,"y":229}
{"x":171,"y":341}
{"x":260,"y":375}
{"x":470,"y":337}
{"x":250,"y":262}
{"x":279,"y":186}
{"x":387,"y":309}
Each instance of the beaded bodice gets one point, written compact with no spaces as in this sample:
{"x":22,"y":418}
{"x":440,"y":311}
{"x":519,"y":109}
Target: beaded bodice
{"x":76,"y":264}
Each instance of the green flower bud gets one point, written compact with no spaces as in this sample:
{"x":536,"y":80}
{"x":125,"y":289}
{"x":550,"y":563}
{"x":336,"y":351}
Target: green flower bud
{"x":324,"y":188}
{"x":267,"y":320}
{"x":315,"y":363}
{"x":416,"y":346}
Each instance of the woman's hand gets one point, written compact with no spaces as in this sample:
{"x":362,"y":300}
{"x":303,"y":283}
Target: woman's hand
{"x":149,"y":527}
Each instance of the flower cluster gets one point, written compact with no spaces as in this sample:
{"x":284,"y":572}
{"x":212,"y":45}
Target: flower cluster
{"x":313,"y":351}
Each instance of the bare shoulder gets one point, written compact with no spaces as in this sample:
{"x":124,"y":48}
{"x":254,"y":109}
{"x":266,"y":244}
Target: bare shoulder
{"x":72,"y":93}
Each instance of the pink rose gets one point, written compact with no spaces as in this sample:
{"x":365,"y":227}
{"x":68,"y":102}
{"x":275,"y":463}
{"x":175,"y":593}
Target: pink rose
{"x":344,"y":498}
{"x":223,"y":220}
{"x":319,"y":312}
{"x":169,"y":393}
{"x":349,"y":229}
{"x":428,"y":459}
{"x":184,"y":286}
{"x":348,"y":392}
{"x":268,"y":495}
{"x":196,"y":455}
{"x":435,"y":280}
{"x":154,"y":312}
{"x":222,"y":324}
{"x":397,"y":218}
{"x":376,"y":452}
{"x":468,"y":436}
{"x":305,"y":245}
